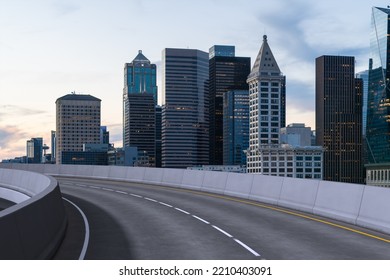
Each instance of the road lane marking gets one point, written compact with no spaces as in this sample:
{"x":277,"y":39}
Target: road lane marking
{"x":247,"y":247}
{"x":86,"y":237}
{"x":222,"y":231}
{"x":200,"y":219}
{"x":162,"y":203}
{"x":150,"y":199}
{"x":93,"y":187}
{"x":181,"y":210}
{"x":121,"y":192}
{"x":178,"y":209}
{"x":254,"y":203}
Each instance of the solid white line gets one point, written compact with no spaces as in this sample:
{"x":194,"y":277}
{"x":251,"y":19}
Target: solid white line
{"x":86,"y":238}
{"x":135,"y":195}
{"x":224,"y":232}
{"x":110,"y":190}
{"x":200,"y":219}
{"x":247,"y":247}
{"x":121,"y":192}
{"x":181,"y":210}
{"x":147,"y":198}
{"x":162,"y":203}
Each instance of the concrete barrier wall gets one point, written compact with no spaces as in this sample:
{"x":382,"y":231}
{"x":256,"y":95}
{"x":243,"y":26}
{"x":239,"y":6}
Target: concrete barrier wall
{"x":33,"y":228}
{"x":356,"y":204}
{"x":298,"y":194}
{"x":375,"y":209}
{"x":339,"y":201}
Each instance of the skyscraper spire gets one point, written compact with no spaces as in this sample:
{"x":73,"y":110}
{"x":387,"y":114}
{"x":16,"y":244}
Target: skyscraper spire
{"x":265,"y":61}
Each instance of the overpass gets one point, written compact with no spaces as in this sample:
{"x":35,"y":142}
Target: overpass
{"x":151,"y":213}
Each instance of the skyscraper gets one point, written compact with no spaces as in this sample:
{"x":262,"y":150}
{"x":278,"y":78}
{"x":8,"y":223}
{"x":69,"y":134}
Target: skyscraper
{"x":140,"y":125}
{"x":53,"y":145}
{"x":158,"y":135}
{"x":139,"y":101}
{"x":235,"y":127}
{"x":378,"y":104}
{"x":339,"y":118}
{"x":140,"y":77}
{"x":185,"y":108}
{"x":226,"y":72}
{"x":267,"y":104}
{"x":35,"y":150}
{"x":77,"y":123}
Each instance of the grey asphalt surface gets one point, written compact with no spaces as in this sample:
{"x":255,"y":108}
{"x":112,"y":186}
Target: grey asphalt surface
{"x":134,"y":221}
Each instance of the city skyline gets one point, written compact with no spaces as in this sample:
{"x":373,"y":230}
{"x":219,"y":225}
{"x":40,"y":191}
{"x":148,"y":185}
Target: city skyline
{"x":49,"y":49}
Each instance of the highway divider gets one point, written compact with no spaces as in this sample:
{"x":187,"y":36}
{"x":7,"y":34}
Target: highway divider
{"x":34,"y":227}
{"x":362,"y":205}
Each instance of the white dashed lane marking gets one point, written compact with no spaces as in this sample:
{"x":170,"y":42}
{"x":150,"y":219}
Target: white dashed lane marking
{"x":200,"y":219}
{"x":162,"y":203}
{"x":184,"y":212}
{"x":181,"y":210}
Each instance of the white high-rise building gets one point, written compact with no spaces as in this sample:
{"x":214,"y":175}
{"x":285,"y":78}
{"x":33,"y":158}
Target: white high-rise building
{"x":267,"y":116}
{"x":267,"y":104}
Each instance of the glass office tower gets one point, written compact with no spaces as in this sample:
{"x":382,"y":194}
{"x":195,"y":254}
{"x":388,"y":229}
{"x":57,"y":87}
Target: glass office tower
{"x":378,"y":105}
{"x":34,"y":150}
{"x":139,"y":102}
{"x":185,"y":108}
{"x":226,"y":72}
{"x":235,"y":127}
{"x":339,"y":99}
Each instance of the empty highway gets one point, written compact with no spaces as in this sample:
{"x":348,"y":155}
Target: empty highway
{"x":118,"y":220}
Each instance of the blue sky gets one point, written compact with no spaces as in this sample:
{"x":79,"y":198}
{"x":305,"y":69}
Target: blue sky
{"x":49,"y":48}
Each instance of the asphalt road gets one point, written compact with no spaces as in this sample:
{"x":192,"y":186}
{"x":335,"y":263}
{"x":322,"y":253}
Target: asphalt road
{"x":135,"y":221}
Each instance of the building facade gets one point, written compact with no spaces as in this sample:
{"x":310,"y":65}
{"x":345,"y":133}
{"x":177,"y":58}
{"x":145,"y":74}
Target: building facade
{"x":267,"y":105}
{"x":140,"y":124}
{"x":226,"y":72}
{"x":158,"y":135}
{"x":139,"y":101}
{"x":378,"y":104}
{"x":296,"y":134}
{"x":339,"y":118}
{"x":185,"y":108}
{"x":35,"y":150}
{"x":235,"y":127}
{"x":289,"y":161}
{"x":77,"y":123}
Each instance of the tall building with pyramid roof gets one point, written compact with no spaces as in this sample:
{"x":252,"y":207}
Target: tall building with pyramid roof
{"x":267,"y":97}
{"x":267,"y":115}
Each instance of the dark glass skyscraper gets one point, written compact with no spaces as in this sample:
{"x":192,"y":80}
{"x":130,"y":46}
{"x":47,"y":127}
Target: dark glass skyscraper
{"x":34,"y":150}
{"x":339,"y":118}
{"x":139,"y":101}
{"x":226,"y":72}
{"x":378,"y":104}
{"x":185,"y":108}
{"x":235,"y":127}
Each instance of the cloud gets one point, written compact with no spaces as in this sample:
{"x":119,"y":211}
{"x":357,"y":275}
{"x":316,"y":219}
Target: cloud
{"x":12,"y":142}
{"x":64,"y":8}
{"x":10,"y":111}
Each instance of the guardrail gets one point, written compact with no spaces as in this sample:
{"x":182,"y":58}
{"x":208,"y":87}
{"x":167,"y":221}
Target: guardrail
{"x":362,"y":205}
{"x":34,"y":227}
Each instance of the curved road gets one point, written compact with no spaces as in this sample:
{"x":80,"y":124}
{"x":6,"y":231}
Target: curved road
{"x":135,"y":221}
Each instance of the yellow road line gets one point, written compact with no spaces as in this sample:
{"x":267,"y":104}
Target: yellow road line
{"x":266,"y":207}
{"x":280,"y":210}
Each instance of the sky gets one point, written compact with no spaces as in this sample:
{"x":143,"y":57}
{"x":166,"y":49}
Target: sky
{"x":50,"y":48}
